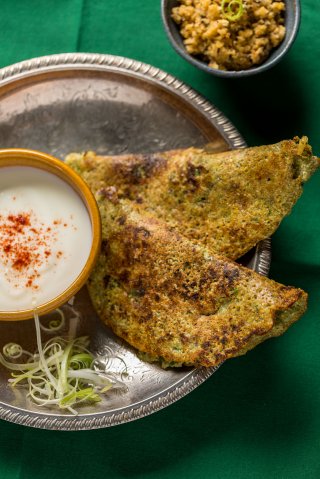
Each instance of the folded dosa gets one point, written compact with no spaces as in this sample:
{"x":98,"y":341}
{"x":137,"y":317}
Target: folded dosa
{"x":177,"y":302}
{"x":226,"y":201}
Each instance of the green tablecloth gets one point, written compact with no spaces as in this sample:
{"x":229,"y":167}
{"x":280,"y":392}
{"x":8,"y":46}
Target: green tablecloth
{"x":259,"y":415}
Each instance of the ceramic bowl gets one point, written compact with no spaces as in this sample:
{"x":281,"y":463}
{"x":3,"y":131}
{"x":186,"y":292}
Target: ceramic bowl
{"x":292,"y":22}
{"x":43,"y":161}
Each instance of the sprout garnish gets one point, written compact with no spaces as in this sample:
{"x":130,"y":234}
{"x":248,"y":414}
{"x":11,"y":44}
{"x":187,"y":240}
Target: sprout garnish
{"x":61,"y":373}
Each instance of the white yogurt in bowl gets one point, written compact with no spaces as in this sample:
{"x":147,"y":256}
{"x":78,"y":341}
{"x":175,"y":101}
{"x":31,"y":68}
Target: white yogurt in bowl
{"x":46,"y":237}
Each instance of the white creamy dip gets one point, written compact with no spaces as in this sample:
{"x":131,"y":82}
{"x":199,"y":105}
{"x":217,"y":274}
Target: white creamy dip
{"x":45,"y":237}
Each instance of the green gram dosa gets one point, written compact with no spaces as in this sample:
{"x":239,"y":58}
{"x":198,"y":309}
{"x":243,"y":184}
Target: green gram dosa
{"x":174,"y":300}
{"x":160,"y":282}
{"x":226,"y":201}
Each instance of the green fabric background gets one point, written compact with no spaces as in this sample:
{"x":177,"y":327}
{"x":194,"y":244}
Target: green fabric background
{"x":259,"y":415}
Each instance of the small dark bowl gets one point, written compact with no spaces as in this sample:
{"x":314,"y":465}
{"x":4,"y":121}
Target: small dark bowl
{"x":292,"y":23}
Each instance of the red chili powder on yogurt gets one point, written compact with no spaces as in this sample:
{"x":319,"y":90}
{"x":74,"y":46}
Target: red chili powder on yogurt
{"x":25,"y":245}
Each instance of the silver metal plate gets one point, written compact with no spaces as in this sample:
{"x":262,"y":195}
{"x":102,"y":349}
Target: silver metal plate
{"x":77,"y":102}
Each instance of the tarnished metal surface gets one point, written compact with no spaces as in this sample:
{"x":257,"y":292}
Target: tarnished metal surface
{"x":76,"y":102}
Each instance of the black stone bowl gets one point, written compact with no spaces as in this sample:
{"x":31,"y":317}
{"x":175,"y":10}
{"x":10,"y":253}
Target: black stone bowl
{"x":292,"y":22}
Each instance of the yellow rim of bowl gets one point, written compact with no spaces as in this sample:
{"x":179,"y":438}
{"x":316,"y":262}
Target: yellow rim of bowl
{"x":36,"y":159}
